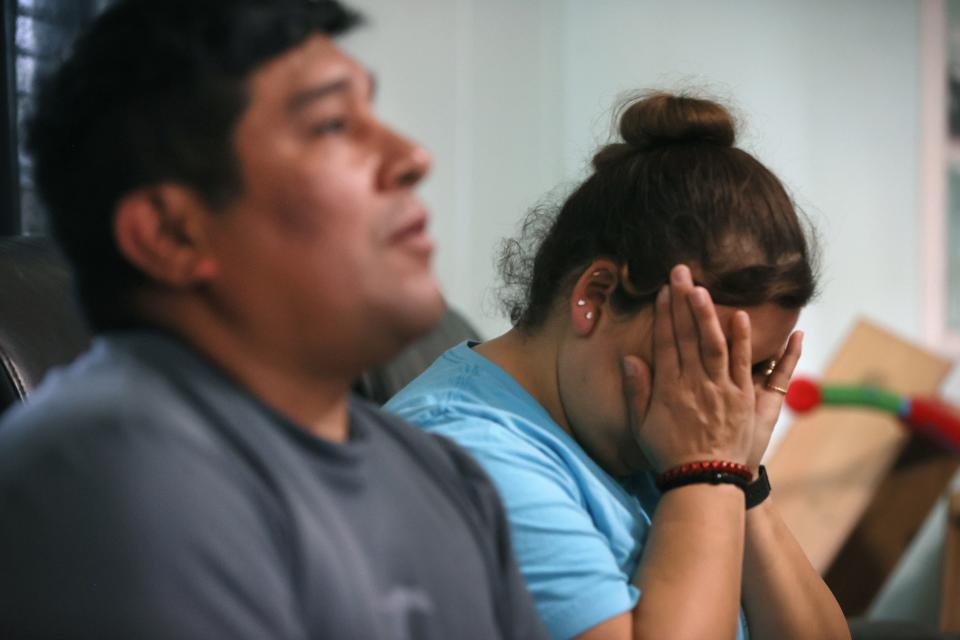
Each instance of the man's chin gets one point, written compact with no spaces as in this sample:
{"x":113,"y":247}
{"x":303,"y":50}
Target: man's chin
{"x":425,"y":316}
{"x":407,"y":319}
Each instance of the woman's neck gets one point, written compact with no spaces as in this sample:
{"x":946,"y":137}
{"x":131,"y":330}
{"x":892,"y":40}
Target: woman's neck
{"x":531,"y":360}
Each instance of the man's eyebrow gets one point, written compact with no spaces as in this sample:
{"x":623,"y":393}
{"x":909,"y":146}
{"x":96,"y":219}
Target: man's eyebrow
{"x":308,"y":96}
{"x":340,"y":85}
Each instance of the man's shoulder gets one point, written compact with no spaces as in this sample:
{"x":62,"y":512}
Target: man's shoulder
{"x":106,"y":401}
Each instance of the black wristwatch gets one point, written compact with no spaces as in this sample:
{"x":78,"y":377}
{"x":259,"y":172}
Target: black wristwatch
{"x":758,"y":490}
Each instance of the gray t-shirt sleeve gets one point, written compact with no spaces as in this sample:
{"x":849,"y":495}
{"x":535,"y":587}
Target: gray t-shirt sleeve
{"x":518,"y":615}
{"x":120,"y":532}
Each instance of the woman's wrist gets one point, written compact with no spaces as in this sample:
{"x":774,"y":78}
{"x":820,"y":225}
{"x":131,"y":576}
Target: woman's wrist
{"x":705,"y":472}
{"x":755,"y":485}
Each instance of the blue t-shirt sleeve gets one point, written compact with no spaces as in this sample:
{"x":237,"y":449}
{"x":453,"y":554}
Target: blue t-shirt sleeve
{"x":567,"y":563}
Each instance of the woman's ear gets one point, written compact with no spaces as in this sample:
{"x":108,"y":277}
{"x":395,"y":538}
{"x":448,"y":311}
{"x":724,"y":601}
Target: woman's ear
{"x":161,"y":230}
{"x":590,"y":299}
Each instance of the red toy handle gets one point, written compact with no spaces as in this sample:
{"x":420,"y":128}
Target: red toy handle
{"x":935,"y":420}
{"x":803,"y":395}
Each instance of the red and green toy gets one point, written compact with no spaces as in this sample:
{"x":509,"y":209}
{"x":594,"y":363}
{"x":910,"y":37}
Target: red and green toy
{"x":929,"y":417}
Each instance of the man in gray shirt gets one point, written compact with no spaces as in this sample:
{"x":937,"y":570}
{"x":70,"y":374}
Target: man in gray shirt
{"x":246,"y":241}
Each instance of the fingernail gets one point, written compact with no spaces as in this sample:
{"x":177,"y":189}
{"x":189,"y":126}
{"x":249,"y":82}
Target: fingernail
{"x":664,"y":293}
{"x":680,"y":274}
{"x":700,"y":297}
{"x":629,"y":368}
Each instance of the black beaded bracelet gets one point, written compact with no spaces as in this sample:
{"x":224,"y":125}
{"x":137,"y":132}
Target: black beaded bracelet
{"x":709,"y":476}
{"x":754,"y":493}
{"x":709,"y":471}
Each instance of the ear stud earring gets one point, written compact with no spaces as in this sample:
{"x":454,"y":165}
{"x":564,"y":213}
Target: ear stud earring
{"x":589,"y":315}
{"x":581,"y":302}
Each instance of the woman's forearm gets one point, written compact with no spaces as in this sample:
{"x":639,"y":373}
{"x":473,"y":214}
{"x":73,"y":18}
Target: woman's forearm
{"x":689,"y":577}
{"x":784,"y":597}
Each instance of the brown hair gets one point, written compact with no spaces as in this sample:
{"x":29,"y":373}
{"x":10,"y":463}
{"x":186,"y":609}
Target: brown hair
{"x":674,"y":190}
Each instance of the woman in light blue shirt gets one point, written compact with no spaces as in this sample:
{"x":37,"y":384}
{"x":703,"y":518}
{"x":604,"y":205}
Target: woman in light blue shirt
{"x":623,"y":368}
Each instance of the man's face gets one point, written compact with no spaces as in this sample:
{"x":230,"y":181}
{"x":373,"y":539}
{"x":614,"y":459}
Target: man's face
{"x":324,"y":256}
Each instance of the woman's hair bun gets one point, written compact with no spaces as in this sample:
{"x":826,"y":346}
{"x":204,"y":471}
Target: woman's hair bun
{"x":658,"y":120}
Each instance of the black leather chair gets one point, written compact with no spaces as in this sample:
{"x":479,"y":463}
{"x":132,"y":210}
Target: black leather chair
{"x":41,"y":326}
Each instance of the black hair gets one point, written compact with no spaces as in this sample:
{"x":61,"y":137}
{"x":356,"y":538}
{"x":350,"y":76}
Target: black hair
{"x":152,"y":92}
{"x":673,"y":190}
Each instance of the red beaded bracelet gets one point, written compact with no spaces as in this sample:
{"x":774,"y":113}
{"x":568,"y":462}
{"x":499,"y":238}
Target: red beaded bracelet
{"x":712,"y":471}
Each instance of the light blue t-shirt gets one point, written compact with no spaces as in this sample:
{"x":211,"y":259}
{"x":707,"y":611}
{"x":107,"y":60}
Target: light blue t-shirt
{"x":578,"y":532}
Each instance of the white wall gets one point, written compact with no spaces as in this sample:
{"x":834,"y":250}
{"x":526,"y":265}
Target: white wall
{"x":829,"y":93}
{"x":476,"y":82}
{"x":513,"y":96}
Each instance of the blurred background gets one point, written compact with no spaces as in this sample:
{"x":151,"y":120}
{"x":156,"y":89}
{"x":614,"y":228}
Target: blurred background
{"x":855,"y":104}
{"x":513,"y":96}
{"x":847,"y":101}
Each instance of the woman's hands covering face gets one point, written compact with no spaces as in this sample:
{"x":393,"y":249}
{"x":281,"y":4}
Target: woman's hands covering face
{"x":769,"y":401}
{"x":701,"y":403}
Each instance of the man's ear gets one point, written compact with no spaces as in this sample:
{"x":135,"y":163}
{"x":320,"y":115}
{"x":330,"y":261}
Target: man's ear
{"x":162,"y":231}
{"x":590,"y":298}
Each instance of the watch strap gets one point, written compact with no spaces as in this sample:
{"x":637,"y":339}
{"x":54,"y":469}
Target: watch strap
{"x":758,"y":490}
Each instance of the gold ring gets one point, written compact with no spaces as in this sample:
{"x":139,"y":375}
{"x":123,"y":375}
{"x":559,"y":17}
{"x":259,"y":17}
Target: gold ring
{"x":773,"y":387}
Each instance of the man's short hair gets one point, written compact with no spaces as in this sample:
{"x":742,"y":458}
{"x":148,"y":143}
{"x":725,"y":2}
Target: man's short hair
{"x":152,"y":93}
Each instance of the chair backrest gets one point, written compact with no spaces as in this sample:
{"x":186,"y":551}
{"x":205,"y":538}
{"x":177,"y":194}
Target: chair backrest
{"x":40,"y":323}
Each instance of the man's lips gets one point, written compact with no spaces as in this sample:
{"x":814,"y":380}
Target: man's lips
{"x":412,"y":234}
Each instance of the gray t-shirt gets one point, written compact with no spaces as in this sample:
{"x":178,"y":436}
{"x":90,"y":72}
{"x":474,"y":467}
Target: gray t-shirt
{"x":143,"y":494}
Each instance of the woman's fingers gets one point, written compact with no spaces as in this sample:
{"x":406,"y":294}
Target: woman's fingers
{"x":770,"y":400}
{"x":740,"y":351}
{"x":666,"y":360}
{"x":787,"y":363}
{"x":713,"y":344}
{"x":684,"y":325}
{"x":696,"y":409}
{"x":636,"y":389}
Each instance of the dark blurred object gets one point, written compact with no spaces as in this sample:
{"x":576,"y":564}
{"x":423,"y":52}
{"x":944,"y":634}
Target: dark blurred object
{"x":903,"y":500}
{"x":892,"y":630}
{"x":953,"y":105}
{"x":950,"y":579}
{"x":40,"y":325}
{"x":36,"y":35}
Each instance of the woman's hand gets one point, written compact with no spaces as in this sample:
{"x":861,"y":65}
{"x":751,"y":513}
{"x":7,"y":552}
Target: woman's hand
{"x":769,"y":401}
{"x":702,"y":402}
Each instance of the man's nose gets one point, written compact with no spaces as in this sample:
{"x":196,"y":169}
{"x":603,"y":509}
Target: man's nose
{"x":405,"y":162}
